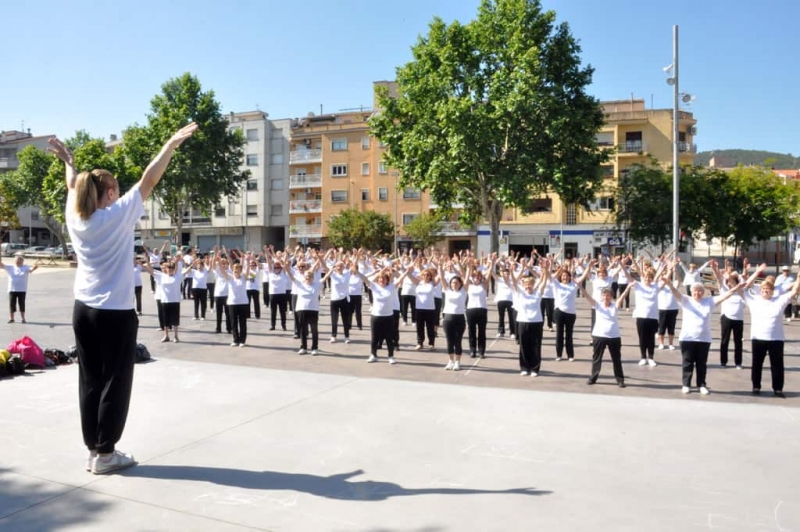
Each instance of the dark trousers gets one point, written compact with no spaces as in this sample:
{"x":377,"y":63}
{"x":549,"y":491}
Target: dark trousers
{"x":426,"y":319}
{"x":530,"y":345}
{"x":265,"y":292}
{"x":729,"y":326}
{"x":278,"y":303}
{"x":340,"y":307}
{"x":137,"y":294}
{"x":187,"y":287}
{"x":647,"y":329}
{"x":254,"y":298}
{"x":210,"y":294}
{"x":106,"y":346}
{"x":695,"y":355}
{"x":396,"y":317}
{"x":308,"y":320}
{"x":200,"y":296}
{"x":405,"y":301}
{"x":547,"y":306}
{"x":239,"y":322}
{"x":666,"y":321}
{"x":153,"y":283}
{"x":614,"y":345}
{"x":222,"y":306}
{"x":476,"y":324}
{"x":292,"y":300}
{"x":382,"y":330}
{"x":503,"y":308}
{"x":565,"y":323}
{"x":774,"y":349}
{"x":787,"y":312}
{"x":354,"y":309}
{"x":160,"y":312}
{"x":292,"y":304}
{"x":14,"y":298}
{"x":621,"y":288}
{"x":454,"y":326}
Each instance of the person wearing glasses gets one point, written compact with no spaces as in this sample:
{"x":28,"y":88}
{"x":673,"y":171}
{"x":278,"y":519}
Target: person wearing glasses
{"x":100,"y":222}
{"x":278,"y":284}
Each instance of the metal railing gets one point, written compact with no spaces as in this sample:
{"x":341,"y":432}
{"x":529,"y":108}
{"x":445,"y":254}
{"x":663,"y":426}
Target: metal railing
{"x":305,"y":156}
{"x":9,"y":162}
{"x":687,"y":147}
{"x":454,"y":227}
{"x":305,"y":181}
{"x":300,"y":206}
{"x":632,"y":146}
{"x":301,"y":231}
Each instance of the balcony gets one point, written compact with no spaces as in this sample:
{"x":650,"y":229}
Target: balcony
{"x":305,"y":181}
{"x":305,"y":231}
{"x":456,"y":229}
{"x":196,"y":221}
{"x":632,"y":147}
{"x":305,"y":206}
{"x":305,"y":156}
{"x":687,"y":147}
{"x":9,"y":162}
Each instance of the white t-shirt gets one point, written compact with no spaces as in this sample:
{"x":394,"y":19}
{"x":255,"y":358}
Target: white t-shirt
{"x":137,"y":275}
{"x":221,"y":287}
{"x":279,"y":283}
{"x":598,"y":284}
{"x":666,"y":299}
{"x":355,"y":286}
{"x":382,"y":299}
{"x":528,"y":306}
{"x":103,"y":245}
{"x":696,"y":324}
{"x":565,"y":296}
{"x":424,"y":296}
{"x":307,"y":295}
{"x":170,"y":286}
{"x":339,"y":285}
{"x":502,"y":292}
{"x":733,"y":307}
{"x":253,"y":282}
{"x":454,"y":301}
{"x":17,"y":277}
{"x":200,"y":279}
{"x":766,"y":315}
{"x":237,"y":290}
{"x":605,"y":323}
{"x":477,"y":296}
{"x":646,"y":305}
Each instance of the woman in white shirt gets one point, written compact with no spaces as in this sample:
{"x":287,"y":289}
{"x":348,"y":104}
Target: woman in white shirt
{"x":339,"y":279}
{"x":253,"y":283}
{"x":477,"y":311}
{"x":220,"y":263}
{"x":504,"y":299}
{"x":605,"y":334}
{"x":766,"y":329}
{"x":100,"y":224}
{"x":408,"y":295}
{"x":355,"y":291}
{"x":645,"y":312}
{"x":200,"y":289}
{"x":425,"y":306}
{"x":667,"y":311}
{"x":731,"y":318}
{"x":454,"y":324}
{"x":695,"y":336}
{"x":382,"y":320}
{"x":692,"y":275}
{"x":565,"y":291}
{"x":170,"y":285}
{"x":278,"y":283}
{"x":307,"y":289}
{"x":238,"y":300}
{"x":528,"y":304}
{"x":17,"y":285}
{"x":211,"y":280}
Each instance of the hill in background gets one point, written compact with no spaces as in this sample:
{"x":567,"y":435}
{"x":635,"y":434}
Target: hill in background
{"x":729,"y":158}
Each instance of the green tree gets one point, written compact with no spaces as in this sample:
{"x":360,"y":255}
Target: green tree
{"x":424,"y":230}
{"x":490,"y":113}
{"x":352,"y":228}
{"x":207,"y":167}
{"x":8,"y":214}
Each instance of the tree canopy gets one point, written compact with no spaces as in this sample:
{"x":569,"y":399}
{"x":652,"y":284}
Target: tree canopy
{"x":424,"y":230}
{"x":352,"y":229}
{"x":493,"y":112}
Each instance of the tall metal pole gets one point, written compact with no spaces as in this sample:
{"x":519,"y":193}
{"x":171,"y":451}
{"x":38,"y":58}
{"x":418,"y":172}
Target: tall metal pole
{"x":676,"y":171}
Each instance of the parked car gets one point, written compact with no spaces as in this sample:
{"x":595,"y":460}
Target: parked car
{"x":8,"y":249}
{"x":35,"y":249}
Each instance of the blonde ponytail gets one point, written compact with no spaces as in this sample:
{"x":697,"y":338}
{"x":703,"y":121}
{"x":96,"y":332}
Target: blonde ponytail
{"x":89,"y":189}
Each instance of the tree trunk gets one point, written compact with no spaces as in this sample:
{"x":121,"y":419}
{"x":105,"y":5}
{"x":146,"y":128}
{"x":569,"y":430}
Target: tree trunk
{"x":55,"y":227}
{"x":494,"y":213}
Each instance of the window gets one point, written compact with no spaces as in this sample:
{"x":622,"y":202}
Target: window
{"x":608,"y":170}
{"x":276,"y":158}
{"x":252,"y":159}
{"x":252,"y":184}
{"x":382,"y":168}
{"x":277,"y":184}
{"x":219,"y":211}
{"x":364,"y":143}
{"x":252,"y":210}
{"x":633,"y":142}
{"x":410,"y":193}
{"x":407,"y":218}
{"x":277,"y":209}
{"x":383,"y":194}
{"x":277,"y":133}
{"x":605,"y":138}
{"x":364,"y":194}
{"x":35,"y":216}
{"x":338,"y":196}
{"x":603,"y":204}
{"x":252,"y":134}
{"x":339,"y":145}
{"x":338,"y":170}
{"x":364,"y":168}
{"x":540,"y":205}
{"x":162,"y":215}
{"x":572,"y":215}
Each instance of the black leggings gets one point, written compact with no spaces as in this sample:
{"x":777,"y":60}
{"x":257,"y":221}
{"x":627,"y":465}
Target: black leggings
{"x":265,"y":291}
{"x":547,"y":305}
{"x":614,"y":346}
{"x":774,"y":349}
{"x":426,"y":320}
{"x":382,"y":330}
{"x":308,"y":319}
{"x":278,"y":302}
{"x":354,"y":309}
{"x":647,"y":328}
{"x":200,"y":296}
{"x":530,"y":345}
{"x":105,"y":341}
{"x":210,"y":294}
{"x":13,"y":298}
{"x":565,"y":323}
{"x":405,"y":301}
{"x":137,"y":294}
{"x":622,"y":287}
{"x":222,"y":306}
{"x":476,"y":321}
{"x":239,"y":322}
{"x":695,"y":355}
{"x":666,"y":321}
{"x":454,"y":326}
{"x":503,"y":308}
{"x":737,"y":328}
{"x":340,"y":306}
{"x":254,"y":297}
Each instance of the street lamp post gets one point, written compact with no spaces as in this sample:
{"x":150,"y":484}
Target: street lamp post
{"x":396,"y":191}
{"x":675,"y":146}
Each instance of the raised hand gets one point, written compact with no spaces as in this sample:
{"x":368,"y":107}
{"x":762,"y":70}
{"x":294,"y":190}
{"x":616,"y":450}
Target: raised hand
{"x":182,"y":134}
{"x":61,"y":151}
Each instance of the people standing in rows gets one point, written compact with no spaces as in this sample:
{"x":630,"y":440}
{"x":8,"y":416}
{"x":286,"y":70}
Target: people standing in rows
{"x":100,"y":224}
{"x":528,"y":306}
{"x":454,"y":324}
{"x":253,"y":284}
{"x":278,"y":282}
{"x":237,"y":302}
{"x":731,"y":317}
{"x":17,"y":285}
{"x":221,"y":263}
{"x":425,"y":307}
{"x":200,"y":289}
{"x":605,"y":333}
{"x":692,"y":275}
{"x":766,"y":329}
{"x":565,"y":291}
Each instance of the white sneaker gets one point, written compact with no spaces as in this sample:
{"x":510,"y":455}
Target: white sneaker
{"x":241,"y":345}
{"x":571,"y":359}
{"x":372,"y":358}
{"x":660,"y":346}
{"x":643,"y":362}
{"x":534,"y":374}
{"x":333,"y":339}
{"x":685,"y":389}
{"x":195,"y":319}
{"x":301,"y":351}
{"x":456,"y":366}
{"x":92,"y":456}
{"x":704,"y":390}
{"x":738,"y":367}
{"x":314,"y":352}
{"x":499,"y":335}
{"x":559,"y":359}
{"x":392,"y":360}
{"x":234,"y":344}
{"x":202,"y":319}
{"x":449,"y":366}
{"x":788,"y":320}
{"x":405,"y":324}
{"x":651,"y":362}
{"x":524,"y":373}
{"x":102,"y":465}
{"x":672,"y":348}
{"x":513,"y":336}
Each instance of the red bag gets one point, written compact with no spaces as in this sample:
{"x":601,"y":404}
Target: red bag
{"x":31,"y":354}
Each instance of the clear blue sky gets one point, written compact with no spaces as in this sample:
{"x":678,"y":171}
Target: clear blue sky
{"x":95,"y":65}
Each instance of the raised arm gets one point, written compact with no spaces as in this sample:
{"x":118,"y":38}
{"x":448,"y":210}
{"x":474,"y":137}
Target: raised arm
{"x":64,"y":154}
{"x":752,"y":279}
{"x":152,"y":174}
{"x":586,"y":295}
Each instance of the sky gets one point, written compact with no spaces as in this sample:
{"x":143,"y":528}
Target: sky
{"x":96,"y":64}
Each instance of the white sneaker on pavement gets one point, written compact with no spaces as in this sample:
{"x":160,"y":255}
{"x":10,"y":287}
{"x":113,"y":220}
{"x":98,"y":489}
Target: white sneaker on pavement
{"x":672,"y":348}
{"x":392,"y":360}
{"x":651,"y":362}
{"x":704,"y":390}
{"x":449,"y":366}
{"x":643,"y":362}
{"x":372,"y":358}
{"x":102,"y":465}
{"x":301,"y":351}
{"x":685,"y":389}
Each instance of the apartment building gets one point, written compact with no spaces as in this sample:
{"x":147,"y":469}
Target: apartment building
{"x":32,"y":231}
{"x":251,"y":219}
{"x":636,"y":134}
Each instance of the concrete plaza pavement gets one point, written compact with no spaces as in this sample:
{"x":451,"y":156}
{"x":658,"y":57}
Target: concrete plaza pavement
{"x":262,"y":438}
